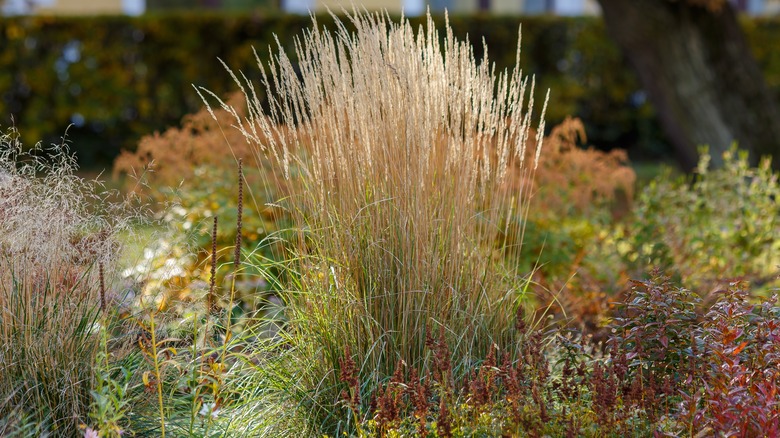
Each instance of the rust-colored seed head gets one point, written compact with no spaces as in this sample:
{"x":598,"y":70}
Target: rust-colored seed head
{"x":210,"y":297}
{"x":444,"y":423}
{"x":478,"y":389}
{"x":520,"y":324}
{"x":348,"y":372}
{"x":237,"y":255}
{"x":349,"y":375}
{"x":102,"y":279}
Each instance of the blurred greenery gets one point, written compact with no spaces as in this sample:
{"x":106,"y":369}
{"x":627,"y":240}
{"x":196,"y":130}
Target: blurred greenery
{"x":223,"y":5}
{"x":184,"y":238}
{"x":115,"y":79}
{"x":719,"y":225}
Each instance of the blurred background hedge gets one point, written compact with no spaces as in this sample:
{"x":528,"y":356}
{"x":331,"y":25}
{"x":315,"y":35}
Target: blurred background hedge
{"x":115,"y":79}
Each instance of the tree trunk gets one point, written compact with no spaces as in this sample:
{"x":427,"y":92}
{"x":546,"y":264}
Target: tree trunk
{"x":700,"y":75}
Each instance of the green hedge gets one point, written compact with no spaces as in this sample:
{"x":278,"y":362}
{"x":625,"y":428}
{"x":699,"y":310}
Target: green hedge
{"x":116,"y":79}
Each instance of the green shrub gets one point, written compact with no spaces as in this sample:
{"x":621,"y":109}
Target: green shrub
{"x":655,"y":327}
{"x":720,"y":225}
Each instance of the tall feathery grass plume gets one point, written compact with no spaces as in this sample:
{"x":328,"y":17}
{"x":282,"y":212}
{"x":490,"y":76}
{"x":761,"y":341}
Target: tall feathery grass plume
{"x":413,"y":163}
{"x":56,"y":229}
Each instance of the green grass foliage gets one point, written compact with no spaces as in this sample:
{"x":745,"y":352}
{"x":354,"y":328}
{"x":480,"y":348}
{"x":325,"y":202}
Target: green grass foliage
{"x":718,"y":225}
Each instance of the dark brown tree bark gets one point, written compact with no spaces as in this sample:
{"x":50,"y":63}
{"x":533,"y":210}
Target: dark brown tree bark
{"x":699,"y":73}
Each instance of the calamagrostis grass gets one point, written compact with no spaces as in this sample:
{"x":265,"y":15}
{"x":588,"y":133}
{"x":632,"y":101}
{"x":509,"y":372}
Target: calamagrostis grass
{"x":403,"y":148}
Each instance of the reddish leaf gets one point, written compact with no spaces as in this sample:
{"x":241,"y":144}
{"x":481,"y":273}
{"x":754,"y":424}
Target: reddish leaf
{"x":739,"y":348}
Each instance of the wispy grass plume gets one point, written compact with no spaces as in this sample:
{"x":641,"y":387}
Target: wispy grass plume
{"x":54,"y":232}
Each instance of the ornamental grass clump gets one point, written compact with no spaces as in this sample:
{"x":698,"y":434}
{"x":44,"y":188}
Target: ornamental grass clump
{"x":403,"y":149}
{"x":52,"y":241}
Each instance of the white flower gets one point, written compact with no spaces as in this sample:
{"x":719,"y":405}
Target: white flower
{"x":209,"y":410}
{"x":90,"y":433}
